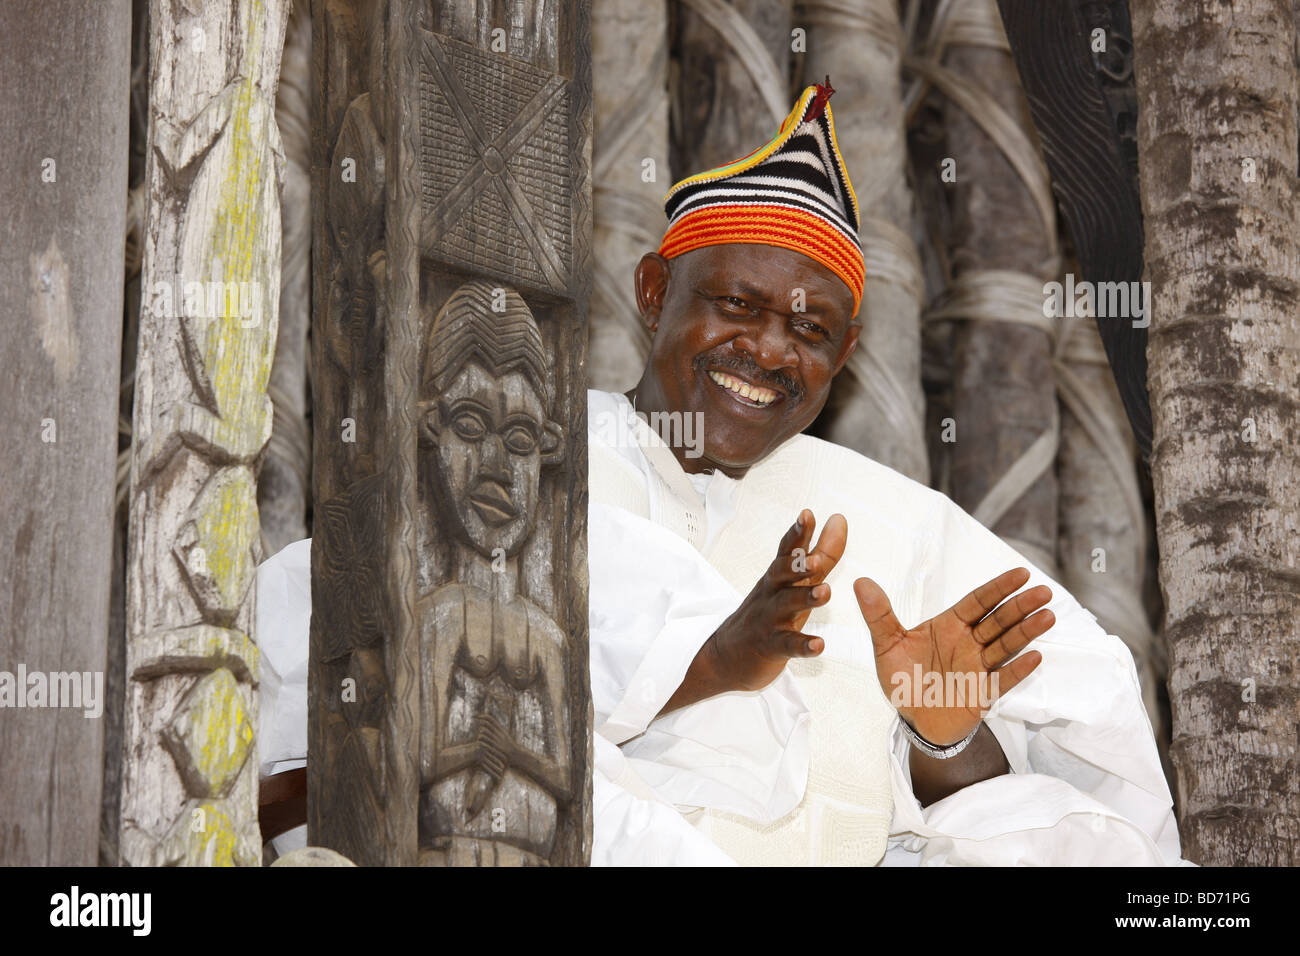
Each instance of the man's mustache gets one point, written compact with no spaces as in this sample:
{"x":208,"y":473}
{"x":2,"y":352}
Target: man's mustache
{"x":776,"y":380}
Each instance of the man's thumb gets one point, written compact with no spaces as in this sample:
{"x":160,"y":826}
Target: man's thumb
{"x":876,"y":611}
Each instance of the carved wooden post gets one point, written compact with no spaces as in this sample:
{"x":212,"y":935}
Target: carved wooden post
{"x":63,"y":176}
{"x":449,"y":700}
{"x":202,"y":417}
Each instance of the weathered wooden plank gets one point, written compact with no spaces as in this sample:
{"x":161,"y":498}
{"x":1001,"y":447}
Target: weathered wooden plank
{"x":63,"y":181}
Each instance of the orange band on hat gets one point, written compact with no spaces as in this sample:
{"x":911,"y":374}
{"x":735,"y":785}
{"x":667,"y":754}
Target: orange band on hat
{"x":781,"y":226}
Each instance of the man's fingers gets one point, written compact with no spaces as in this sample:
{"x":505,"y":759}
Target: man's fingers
{"x":813,"y":567}
{"x":1013,"y":673}
{"x":796,"y":644}
{"x":1011,"y":612}
{"x":793,"y":604}
{"x":798,"y":534}
{"x":1013,"y":641}
{"x":792,"y":644}
{"x":989,"y":595}
{"x":830,"y":546}
{"x":796,"y":564}
{"x":878,"y":613}
{"x":793,"y":562}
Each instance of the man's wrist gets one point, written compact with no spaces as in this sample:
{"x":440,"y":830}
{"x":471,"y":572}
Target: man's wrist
{"x":932,"y":750}
{"x":714,"y":669}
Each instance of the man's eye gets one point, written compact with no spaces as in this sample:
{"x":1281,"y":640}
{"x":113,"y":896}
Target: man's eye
{"x":468,"y":426}
{"x":520,"y":440}
{"x":812,"y":328}
{"x":733,"y":304}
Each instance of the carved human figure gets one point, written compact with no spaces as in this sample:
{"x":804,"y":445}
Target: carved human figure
{"x":495,"y":761}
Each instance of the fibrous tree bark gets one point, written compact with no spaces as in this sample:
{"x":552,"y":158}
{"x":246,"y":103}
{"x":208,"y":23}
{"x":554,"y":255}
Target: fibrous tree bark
{"x":1075,"y":65}
{"x":630,"y":55}
{"x":201,"y":420}
{"x":1004,"y":235}
{"x":1217,"y":91}
{"x":449,"y":705}
{"x":63,"y":180}
{"x":731,"y":87}
{"x":1103,"y":529}
{"x":284,"y":484}
{"x":877,"y":406}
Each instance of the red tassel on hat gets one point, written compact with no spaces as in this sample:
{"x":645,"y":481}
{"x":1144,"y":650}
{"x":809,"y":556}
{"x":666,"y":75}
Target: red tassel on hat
{"x":819,"y":101}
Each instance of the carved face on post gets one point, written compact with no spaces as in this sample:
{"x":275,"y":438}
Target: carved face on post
{"x":485,"y":409}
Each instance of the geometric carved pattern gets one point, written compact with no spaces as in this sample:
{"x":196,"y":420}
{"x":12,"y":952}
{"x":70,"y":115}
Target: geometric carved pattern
{"x":197,"y":648}
{"x":217,"y":543}
{"x":494,"y":171}
{"x":210,"y":736}
{"x":350,"y":567}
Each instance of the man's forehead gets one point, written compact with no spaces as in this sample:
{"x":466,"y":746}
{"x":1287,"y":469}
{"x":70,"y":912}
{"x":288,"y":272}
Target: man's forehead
{"x":768,"y":272}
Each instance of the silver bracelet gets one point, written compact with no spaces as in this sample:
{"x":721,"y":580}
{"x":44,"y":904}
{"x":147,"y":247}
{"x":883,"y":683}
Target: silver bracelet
{"x":933,"y":750}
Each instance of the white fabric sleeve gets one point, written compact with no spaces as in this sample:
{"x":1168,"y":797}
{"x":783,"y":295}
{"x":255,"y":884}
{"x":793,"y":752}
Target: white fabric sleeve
{"x":632,"y":827}
{"x":654,"y":601}
{"x":1086,"y":786}
{"x":283,"y":624}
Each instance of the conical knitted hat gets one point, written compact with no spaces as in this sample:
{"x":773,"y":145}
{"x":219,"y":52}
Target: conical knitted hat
{"x":793,"y":192}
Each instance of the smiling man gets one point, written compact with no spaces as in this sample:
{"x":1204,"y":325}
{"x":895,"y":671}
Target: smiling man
{"x":762,"y":697}
{"x":765,"y":692}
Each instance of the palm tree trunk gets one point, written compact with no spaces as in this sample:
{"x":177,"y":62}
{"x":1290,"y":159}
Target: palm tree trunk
{"x":1217,"y":99}
{"x":284,"y":485}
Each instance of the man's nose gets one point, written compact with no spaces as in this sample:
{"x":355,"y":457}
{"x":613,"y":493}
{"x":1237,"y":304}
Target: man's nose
{"x":768,"y":342}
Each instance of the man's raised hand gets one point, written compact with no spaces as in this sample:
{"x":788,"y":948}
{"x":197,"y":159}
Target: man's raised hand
{"x":976,"y":637}
{"x":751,"y":647}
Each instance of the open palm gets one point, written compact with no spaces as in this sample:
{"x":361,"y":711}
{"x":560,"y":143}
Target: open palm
{"x":964,"y":654}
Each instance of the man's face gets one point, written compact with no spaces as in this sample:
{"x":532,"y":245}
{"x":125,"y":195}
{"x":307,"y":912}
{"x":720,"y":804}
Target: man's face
{"x":729,"y":316}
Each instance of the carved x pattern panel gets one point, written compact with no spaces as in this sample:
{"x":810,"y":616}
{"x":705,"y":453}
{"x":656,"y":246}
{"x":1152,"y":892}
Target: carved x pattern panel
{"x":494,"y":164}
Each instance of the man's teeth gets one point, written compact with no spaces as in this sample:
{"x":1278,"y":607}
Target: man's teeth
{"x":755,"y":393}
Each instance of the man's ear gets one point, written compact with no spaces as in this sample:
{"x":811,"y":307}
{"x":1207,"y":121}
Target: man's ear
{"x":848,"y":346}
{"x":651,"y":277}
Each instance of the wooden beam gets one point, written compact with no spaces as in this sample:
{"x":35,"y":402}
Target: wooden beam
{"x":63,"y":188}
